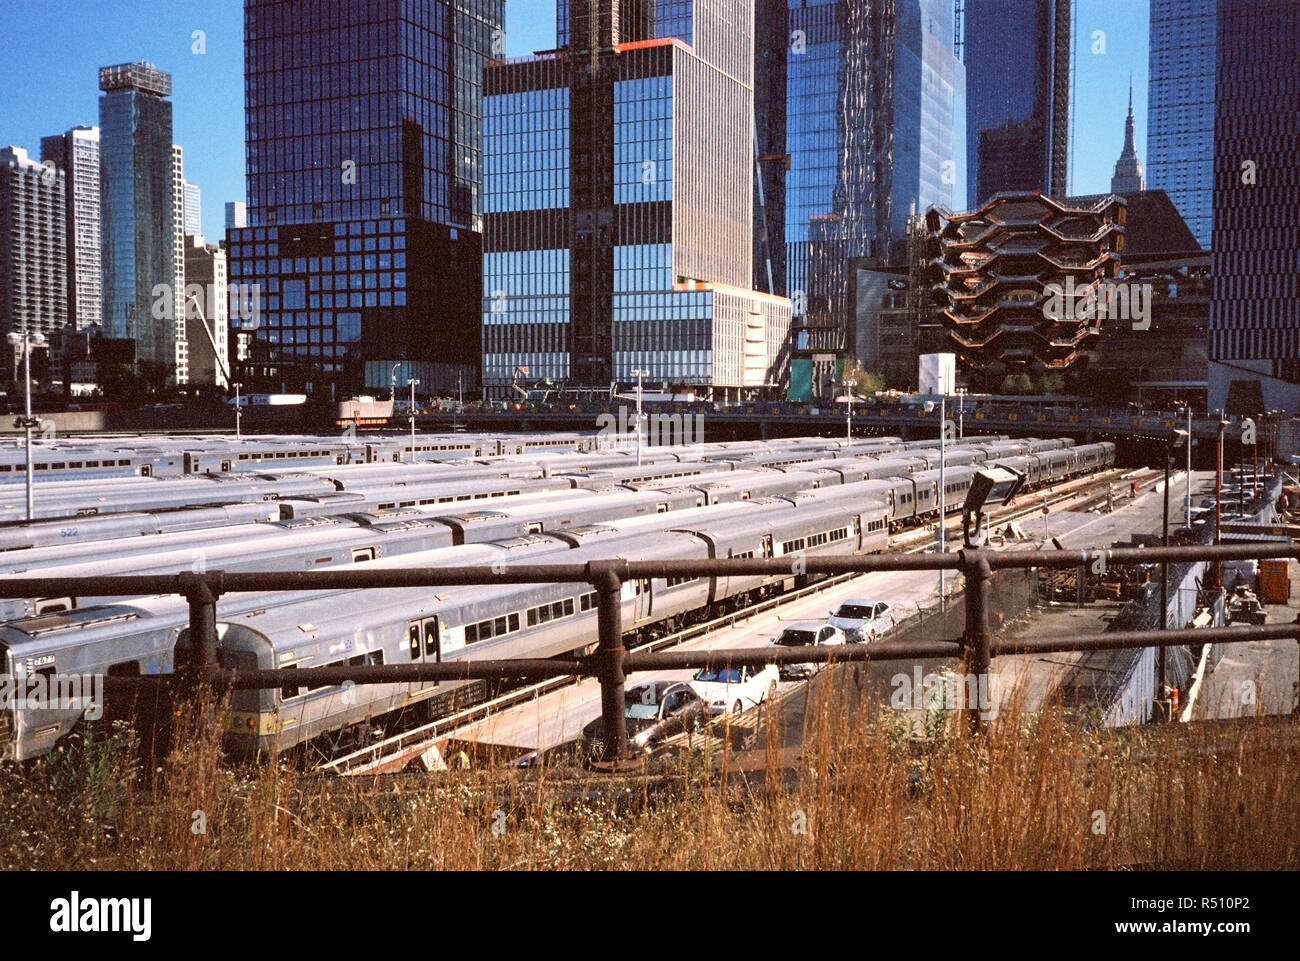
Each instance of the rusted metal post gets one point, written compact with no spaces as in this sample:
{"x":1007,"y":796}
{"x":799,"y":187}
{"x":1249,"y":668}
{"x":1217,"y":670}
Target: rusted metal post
{"x":605,"y":576}
{"x":203,"y":624}
{"x":977,"y":639}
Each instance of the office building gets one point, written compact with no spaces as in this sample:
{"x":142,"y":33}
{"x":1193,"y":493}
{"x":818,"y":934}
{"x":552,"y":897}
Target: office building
{"x":618,"y":184}
{"x":1254,"y":320}
{"x":363,"y":238}
{"x":1017,"y":57}
{"x":872,"y":99}
{"x":193,"y":209}
{"x":1128,"y":177}
{"x":236,"y":214}
{"x":33,"y":258}
{"x":178,"y":261}
{"x":138,"y":218}
{"x":1180,"y":108}
{"x":207,"y":312}
{"x":76,"y":153}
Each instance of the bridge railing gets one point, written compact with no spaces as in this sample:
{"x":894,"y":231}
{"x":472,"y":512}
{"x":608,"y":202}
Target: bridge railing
{"x":611,"y":663}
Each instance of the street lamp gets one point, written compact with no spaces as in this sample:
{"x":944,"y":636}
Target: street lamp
{"x":239,"y":410}
{"x":638,"y":374}
{"x":27,"y":422}
{"x":392,"y":383}
{"x":1175,"y":438}
{"x":414,"y":383}
{"x":961,"y":413}
{"x":941,"y":533}
{"x":1188,"y":495}
{"x":848,"y":387}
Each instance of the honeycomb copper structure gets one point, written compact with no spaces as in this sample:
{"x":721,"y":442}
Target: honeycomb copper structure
{"x":995,"y":270}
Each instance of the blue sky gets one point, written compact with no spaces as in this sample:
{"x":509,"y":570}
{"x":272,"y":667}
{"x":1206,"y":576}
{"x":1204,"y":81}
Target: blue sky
{"x":52,"y":50}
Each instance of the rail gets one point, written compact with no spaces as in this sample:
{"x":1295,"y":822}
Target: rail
{"x":610,"y":663}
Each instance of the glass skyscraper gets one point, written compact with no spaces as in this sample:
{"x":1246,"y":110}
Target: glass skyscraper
{"x":1018,"y":98}
{"x":136,"y":210}
{"x":364,"y":135}
{"x":618,"y":201}
{"x":1180,"y":108}
{"x":872,"y":95}
{"x":1254,"y":322}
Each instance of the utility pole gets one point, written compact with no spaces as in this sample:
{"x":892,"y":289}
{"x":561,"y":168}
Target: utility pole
{"x":239,"y":410}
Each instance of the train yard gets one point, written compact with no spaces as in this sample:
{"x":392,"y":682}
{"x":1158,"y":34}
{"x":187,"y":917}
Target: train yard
{"x":307,"y":503}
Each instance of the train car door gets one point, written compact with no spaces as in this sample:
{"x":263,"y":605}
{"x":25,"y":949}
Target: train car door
{"x":424,"y":646}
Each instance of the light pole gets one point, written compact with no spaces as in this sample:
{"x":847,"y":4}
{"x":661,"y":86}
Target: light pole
{"x":414,"y":383}
{"x":848,"y":429}
{"x":392,"y":383}
{"x":239,"y":410}
{"x":1172,"y":441}
{"x":27,"y":422}
{"x":961,"y":413}
{"x":1188,"y":495}
{"x":941,"y":533}
{"x":638,"y":374}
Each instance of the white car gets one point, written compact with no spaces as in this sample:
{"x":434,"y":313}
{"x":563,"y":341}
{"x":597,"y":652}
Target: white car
{"x":807,"y":634}
{"x":863,"y":619}
{"x":735,"y":689}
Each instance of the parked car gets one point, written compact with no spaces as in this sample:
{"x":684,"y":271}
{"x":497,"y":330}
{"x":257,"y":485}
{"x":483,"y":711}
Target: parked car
{"x":654,"y":710}
{"x":735,"y":689}
{"x":863,"y":619}
{"x":807,"y":634}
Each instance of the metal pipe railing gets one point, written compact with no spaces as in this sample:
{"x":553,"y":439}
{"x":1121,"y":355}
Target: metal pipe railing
{"x":611,"y":662}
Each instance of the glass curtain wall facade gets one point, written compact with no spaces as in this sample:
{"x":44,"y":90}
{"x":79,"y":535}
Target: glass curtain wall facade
{"x":76,"y":153}
{"x":1180,"y":109}
{"x":137,"y":225}
{"x":1254,"y":324}
{"x":619,"y":204}
{"x":1017,"y":58}
{"x":872,"y":96}
{"x":364,"y":142}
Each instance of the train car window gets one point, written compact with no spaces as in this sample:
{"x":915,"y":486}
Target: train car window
{"x":363,"y":554}
{"x":499,"y":626}
{"x":471,"y":633}
{"x":588,"y":601}
{"x":568,"y":606}
{"x":413,"y":639}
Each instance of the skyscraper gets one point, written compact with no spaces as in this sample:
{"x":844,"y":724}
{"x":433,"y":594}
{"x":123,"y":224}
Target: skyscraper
{"x":193,"y":209}
{"x":178,"y":261}
{"x":1018,"y":99}
{"x":236,"y":214}
{"x":1254,"y":322}
{"x":364,"y":212}
{"x":618,"y":187}
{"x":33,"y":280}
{"x":137,"y":216}
{"x":76,"y":153}
{"x":1128,"y":177}
{"x":872,"y":93}
{"x":1180,"y":108}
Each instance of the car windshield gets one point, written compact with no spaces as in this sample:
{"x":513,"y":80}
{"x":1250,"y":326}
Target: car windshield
{"x":855,"y":611}
{"x":641,"y":712}
{"x":722,"y":675}
{"x":796,"y":638}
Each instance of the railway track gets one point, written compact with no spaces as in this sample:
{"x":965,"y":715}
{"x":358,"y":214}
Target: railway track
{"x":395,"y":752}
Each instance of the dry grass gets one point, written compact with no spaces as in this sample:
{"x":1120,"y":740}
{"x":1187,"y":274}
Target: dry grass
{"x":1028,"y":795}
